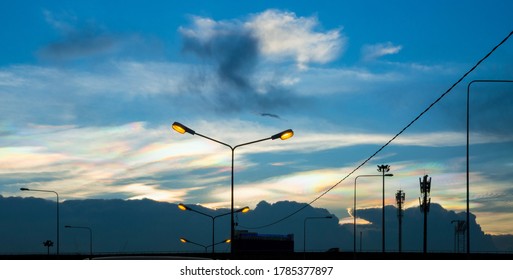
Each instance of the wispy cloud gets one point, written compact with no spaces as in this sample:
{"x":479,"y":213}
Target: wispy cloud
{"x":373,"y":52}
{"x":88,"y":39}
{"x":85,"y":160}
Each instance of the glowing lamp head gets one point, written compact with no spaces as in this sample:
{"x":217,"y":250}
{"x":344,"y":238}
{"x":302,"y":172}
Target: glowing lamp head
{"x":228,"y":241}
{"x":180,"y":128}
{"x":182,"y":207}
{"x":245,"y":209}
{"x":183,"y":240}
{"x":284,"y":135}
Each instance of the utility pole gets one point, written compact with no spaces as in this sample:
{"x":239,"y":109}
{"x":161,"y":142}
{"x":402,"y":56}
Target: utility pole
{"x":425,"y":189}
{"x":399,"y":198}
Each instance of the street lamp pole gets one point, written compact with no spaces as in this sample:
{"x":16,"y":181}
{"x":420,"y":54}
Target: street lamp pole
{"x":34,"y":190}
{"x":383,"y":168}
{"x":468,"y":144}
{"x":184,"y":207}
{"x":286,"y":134}
{"x":183,"y":240}
{"x":354,"y":205}
{"x":90,"y":237}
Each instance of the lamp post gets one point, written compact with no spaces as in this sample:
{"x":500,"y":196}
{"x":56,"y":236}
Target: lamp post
{"x":184,"y":240}
{"x":468,"y":143}
{"x":184,"y":207}
{"x":383,"y":168}
{"x":90,"y":237}
{"x":284,"y":135}
{"x":34,"y":190}
{"x":354,"y":205}
{"x":304,"y":229}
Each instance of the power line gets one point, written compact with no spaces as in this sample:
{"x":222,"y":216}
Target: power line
{"x":392,"y":139}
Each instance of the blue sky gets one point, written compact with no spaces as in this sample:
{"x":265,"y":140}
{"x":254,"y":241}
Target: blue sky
{"x":88,"y":91}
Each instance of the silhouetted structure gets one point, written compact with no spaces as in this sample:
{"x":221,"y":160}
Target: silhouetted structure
{"x":399,"y":198}
{"x":459,"y":235}
{"x":425,"y":189}
{"x":254,"y":242}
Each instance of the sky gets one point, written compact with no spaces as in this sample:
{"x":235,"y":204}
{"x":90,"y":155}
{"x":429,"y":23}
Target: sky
{"x":89,"y":90}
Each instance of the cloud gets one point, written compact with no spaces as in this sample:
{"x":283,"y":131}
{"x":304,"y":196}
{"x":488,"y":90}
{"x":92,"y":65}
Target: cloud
{"x":373,"y":52}
{"x":123,"y":226}
{"x":239,"y":55}
{"x":84,"y":40}
{"x":270,"y":115}
{"x":283,"y":35}
{"x":440,"y":229}
{"x":136,"y":160}
{"x":107,"y":159}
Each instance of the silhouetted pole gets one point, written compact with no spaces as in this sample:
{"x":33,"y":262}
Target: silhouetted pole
{"x":58,"y":229}
{"x":468,"y":144}
{"x":383,"y":168}
{"x":90,"y":237}
{"x":354,"y":205}
{"x":425,"y":189}
{"x":399,"y":197}
{"x":304,"y":229}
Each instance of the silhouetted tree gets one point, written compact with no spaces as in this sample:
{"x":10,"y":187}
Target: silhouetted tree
{"x":48,"y":244}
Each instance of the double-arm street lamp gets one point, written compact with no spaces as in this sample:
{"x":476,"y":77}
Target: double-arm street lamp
{"x":468,"y":143}
{"x":90,"y":237}
{"x":354,"y":205}
{"x":34,"y":190}
{"x":286,"y":134}
{"x":184,"y":207}
{"x":183,"y":240}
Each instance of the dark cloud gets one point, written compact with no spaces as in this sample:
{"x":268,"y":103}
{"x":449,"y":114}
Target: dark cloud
{"x":128,"y":226}
{"x":79,"y":44}
{"x":80,"y":40}
{"x":270,"y":115}
{"x":440,"y":229}
{"x":234,"y":55}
